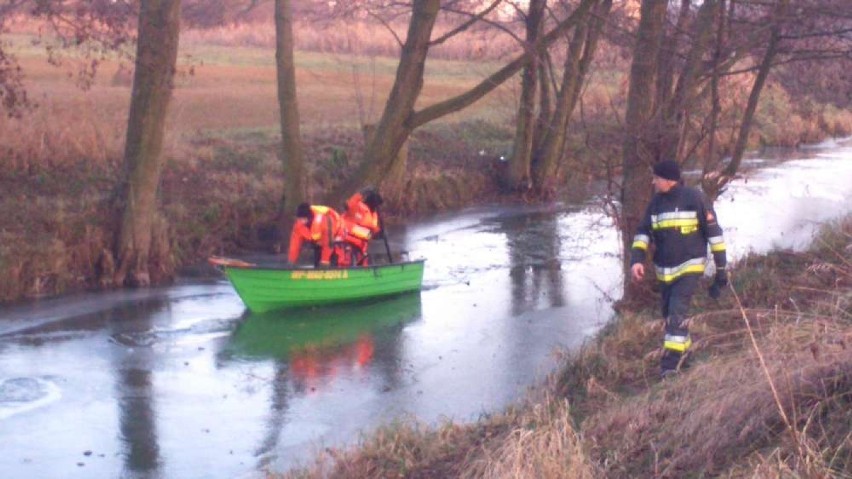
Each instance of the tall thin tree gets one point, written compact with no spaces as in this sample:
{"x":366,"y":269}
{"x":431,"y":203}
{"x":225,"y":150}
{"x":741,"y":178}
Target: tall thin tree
{"x":637,"y":153}
{"x":292,"y":156}
{"x":153,"y":81}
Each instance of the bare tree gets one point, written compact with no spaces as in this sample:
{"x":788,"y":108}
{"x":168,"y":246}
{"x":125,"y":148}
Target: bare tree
{"x":547,"y":160}
{"x":519,"y":173}
{"x":292,"y":156}
{"x":637,"y":149}
{"x":400,"y":118}
{"x":156,"y":56}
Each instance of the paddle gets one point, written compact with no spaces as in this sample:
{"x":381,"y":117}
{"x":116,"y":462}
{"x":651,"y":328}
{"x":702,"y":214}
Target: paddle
{"x":384,"y":235}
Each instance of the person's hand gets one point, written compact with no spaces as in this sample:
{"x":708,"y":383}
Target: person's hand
{"x":720,"y":282}
{"x":637,"y":272}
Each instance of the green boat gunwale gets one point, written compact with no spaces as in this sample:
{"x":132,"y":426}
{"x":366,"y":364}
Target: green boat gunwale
{"x":280,"y":266}
{"x":278,"y":286}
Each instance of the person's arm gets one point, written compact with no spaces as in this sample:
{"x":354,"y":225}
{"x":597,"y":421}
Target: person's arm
{"x":373,"y":222}
{"x":296,"y":239}
{"x":639,"y":249}
{"x":713,"y":232}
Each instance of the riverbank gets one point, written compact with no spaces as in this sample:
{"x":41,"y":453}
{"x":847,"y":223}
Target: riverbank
{"x":222,"y":180}
{"x":768,"y":393}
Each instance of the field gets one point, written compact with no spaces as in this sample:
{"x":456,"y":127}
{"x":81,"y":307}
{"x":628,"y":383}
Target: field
{"x":223,"y":91}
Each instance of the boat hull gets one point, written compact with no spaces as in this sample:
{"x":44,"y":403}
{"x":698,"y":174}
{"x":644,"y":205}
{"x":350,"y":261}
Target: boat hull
{"x":269,"y":288}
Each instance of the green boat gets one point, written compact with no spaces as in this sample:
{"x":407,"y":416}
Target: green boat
{"x":325,"y":330}
{"x":276,"y":286}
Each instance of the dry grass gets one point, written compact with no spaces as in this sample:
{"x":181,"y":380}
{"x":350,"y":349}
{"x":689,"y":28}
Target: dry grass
{"x":353,"y":37}
{"x":770,"y":389}
{"x":544,"y":445}
{"x":769,"y":395}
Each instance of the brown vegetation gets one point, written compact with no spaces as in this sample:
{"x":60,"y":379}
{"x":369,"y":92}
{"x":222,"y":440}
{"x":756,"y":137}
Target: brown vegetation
{"x":222,"y":178}
{"x":769,"y":394}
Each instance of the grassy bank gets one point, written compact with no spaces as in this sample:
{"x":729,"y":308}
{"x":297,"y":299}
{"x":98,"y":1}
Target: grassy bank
{"x":768,"y":393}
{"x":222,"y":181}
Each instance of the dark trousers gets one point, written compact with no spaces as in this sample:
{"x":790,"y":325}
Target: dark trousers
{"x":675,"y":307}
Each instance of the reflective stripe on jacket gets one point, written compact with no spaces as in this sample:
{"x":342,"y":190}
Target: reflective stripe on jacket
{"x":680,"y":224}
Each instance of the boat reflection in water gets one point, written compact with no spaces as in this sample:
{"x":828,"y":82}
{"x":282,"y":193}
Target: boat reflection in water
{"x":322,"y":342}
{"x":317,"y":354}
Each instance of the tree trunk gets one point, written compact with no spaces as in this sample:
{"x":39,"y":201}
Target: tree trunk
{"x":291,"y":154}
{"x":395,"y":125}
{"x":518,"y":173}
{"x":580,"y":54}
{"x":637,"y":155}
{"x":715,"y":99}
{"x":672,"y":133}
{"x":670,"y":49}
{"x":393,"y":183}
{"x":713,"y":186}
{"x":156,"y":56}
{"x":399,"y":119}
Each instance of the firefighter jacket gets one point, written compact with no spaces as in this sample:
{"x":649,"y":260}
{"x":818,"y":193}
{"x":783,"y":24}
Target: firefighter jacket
{"x":680,"y":223}
{"x":323,"y":230}
{"x":360,"y":221}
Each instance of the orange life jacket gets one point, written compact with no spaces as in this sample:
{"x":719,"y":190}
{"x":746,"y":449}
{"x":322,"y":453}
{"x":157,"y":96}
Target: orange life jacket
{"x":325,"y":229}
{"x":360,"y":222}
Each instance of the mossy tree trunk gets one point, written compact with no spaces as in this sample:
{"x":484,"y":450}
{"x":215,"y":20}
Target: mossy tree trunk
{"x":638,"y":149}
{"x":581,"y":51}
{"x":291,"y":154}
{"x":156,"y":56}
{"x":518,"y":173}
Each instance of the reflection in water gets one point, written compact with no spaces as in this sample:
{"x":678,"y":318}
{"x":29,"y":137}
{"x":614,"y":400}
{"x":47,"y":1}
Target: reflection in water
{"x":130,"y":325}
{"x":137,"y":423}
{"x":311,"y":347}
{"x":534,"y":247}
{"x":324,"y":331}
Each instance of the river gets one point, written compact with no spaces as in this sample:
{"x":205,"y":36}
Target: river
{"x":182,"y":382}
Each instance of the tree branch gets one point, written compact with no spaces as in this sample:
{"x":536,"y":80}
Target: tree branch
{"x":497,"y":78}
{"x":464,"y":26}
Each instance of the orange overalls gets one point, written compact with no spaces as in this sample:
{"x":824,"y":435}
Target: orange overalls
{"x":324,"y":231}
{"x":360,"y":223}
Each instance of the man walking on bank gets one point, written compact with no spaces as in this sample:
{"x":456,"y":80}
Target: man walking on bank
{"x":680,"y":223}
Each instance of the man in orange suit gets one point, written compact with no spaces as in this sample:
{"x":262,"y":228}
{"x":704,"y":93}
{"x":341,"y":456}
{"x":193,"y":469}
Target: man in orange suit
{"x":320,"y":226}
{"x":361,"y":222}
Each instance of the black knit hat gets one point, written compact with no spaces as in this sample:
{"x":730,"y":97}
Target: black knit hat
{"x":371,"y":198}
{"x":668,"y":170}
{"x":303,"y":211}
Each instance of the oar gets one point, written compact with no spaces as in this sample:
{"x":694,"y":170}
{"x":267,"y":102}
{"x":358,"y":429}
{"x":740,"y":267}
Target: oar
{"x":384,"y":235}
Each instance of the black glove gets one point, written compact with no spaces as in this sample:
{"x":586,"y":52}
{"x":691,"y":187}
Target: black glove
{"x":720,"y":282}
